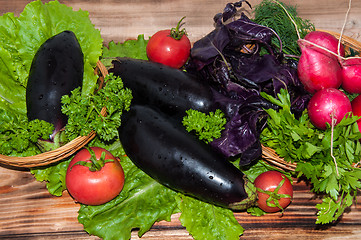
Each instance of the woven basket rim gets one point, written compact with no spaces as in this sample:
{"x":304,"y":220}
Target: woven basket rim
{"x":56,"y":155}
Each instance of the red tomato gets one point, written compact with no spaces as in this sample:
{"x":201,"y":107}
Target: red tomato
{"x":169,"y":47}
{"x":94,"y":187}
{"x":270,"y":190}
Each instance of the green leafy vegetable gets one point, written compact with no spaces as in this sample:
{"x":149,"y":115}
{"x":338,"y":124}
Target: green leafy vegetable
{"x":18,"y":136}
{"x":131,"y":48}
{"x":22,"y":36}
{"x":331,"y":175}
{"x":206,"y":126}
{"x":54,"y":176}
{"x":272,"y":15}
{"x":84,"y":113}
{"x":206,"y":221}
{"x":142,"y":202}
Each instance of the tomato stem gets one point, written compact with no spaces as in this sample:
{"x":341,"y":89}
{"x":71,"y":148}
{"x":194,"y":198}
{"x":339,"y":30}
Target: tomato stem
{"x":176,"y":33}
{"x":95,"y":164}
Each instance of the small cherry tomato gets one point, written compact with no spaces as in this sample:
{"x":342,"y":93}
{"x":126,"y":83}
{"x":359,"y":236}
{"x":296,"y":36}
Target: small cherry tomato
{"x":274,"y":190}
{"x":94,"y":176}
{"x":169,"y":47}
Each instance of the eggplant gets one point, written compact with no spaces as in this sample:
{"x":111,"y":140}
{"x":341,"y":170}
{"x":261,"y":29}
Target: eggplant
{"x":162,"y":148}
{"x":57,"y":69}
{"x":172,"y":90}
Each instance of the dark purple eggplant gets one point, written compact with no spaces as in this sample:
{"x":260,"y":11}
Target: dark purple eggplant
{"x":163,"y":149}
{"x":56,"y":70}
{"x":172,"y":90}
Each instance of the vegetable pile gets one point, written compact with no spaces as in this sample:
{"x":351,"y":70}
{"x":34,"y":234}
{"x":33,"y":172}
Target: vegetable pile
{"x":186,"y":138}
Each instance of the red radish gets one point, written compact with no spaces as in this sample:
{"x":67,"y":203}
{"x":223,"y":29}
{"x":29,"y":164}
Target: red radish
{"x":325,"y":40}
{"x":351,"y":75}
{"x":326,"y":105}
{"x":318,"y":69}
{"x":356,"y":109}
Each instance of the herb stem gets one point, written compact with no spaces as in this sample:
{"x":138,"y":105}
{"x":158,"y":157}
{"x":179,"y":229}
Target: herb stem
{"x":333,"y":123}
{"x":291,"y":18}
{"x":343,"y":27}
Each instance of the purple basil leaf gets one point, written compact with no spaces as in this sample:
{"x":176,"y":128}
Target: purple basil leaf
{"x":231,"y":9}
{"x":245,"y":26}
{"x":239,"y":61}
{"x":246,"y":120}
{"x":211,"y":45}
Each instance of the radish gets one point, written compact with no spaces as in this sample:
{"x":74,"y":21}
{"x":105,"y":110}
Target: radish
{"x":326,"y":40}
{"x":356,"y":109}
{"x":328,"y":105}
{"x":318,"y":67}
{"x":351,"y":75}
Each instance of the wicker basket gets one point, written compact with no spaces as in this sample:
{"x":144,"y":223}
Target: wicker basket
{"x":46,"y":158}
{"x":62,"y":152}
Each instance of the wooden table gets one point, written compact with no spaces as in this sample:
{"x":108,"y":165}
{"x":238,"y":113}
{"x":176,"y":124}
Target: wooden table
{"x":28,"y":211}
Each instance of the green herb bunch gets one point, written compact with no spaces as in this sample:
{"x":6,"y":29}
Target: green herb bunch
{"x":326,"y":158}
{"x":206,"y":126}
{"x":84,"y":113}
{"x":19,"y":137}
{"x":271,"y":14}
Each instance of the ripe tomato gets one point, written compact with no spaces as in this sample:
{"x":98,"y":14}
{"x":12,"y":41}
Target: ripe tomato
{"x":274,"y":191}
{"x":94,"y":176}
{"x":169,"y":47}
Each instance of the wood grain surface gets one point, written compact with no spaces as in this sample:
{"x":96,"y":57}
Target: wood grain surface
{"x":119,"y":20}
{"x":28,"y":211}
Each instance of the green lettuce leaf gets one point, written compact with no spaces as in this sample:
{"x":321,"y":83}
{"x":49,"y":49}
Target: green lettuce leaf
{"x":12,"y":92}
{"x":54,"y":177}
{"x":206,"y":221}
{"x":142,"y":202}
{"x":22,"y":36}
{"x":130,"y":48}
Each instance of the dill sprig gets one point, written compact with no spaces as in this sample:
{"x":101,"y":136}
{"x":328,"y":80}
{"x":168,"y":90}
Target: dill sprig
{"x":272,"y":15}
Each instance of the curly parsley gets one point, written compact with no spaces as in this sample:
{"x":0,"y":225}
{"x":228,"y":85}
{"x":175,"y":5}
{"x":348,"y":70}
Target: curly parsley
{"x":19,"y":137}
{"x":85,"y":112}
{"x":206,"y":126}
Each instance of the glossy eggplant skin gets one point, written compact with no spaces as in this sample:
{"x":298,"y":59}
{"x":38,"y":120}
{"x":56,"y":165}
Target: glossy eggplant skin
{"x":172,"y":90}
{"x":163,"y":149}
{"x":56,"y":70}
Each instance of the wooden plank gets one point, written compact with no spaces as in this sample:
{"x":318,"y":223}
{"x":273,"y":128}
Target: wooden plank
{"x":121,"y":20}
{"x":28,"y":210}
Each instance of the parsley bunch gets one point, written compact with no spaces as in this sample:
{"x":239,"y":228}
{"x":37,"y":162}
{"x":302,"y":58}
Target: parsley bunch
{"x":206,"y":126}
{"x":18,"y":136}
{"x":332,"y":176}
{"x":84,"y":112}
